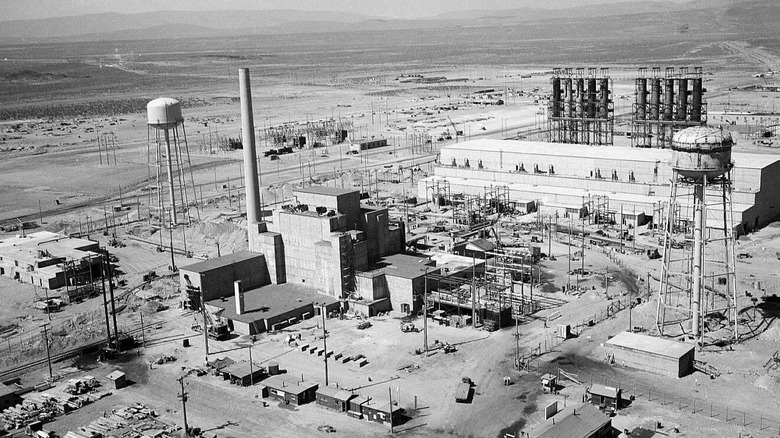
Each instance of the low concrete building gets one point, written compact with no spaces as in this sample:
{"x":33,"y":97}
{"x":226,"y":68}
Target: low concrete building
{"x":272,"y":307}
{"x":214,"y":277}
{"x":576,"y":421}
{"x":653,"y":354}
{"x":49,"y":260}
{"x":290,"y":389}
{"x":334,"y":398}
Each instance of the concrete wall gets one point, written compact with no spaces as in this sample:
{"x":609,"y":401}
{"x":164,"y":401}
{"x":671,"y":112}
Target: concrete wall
{"x":218,"y":282}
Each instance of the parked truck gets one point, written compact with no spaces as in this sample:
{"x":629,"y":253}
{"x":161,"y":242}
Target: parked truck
{"x":463,"y":391}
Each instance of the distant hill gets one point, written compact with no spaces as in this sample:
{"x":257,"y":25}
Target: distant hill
{"x":755,"y":17}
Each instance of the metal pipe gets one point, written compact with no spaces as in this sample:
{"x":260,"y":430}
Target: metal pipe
{"x":250,"y":155}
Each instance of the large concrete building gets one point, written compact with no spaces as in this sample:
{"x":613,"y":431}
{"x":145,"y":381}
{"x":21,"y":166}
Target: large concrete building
{"x":49,"y":260}
{"x":564,"y":179}
{"x":324,"y":238}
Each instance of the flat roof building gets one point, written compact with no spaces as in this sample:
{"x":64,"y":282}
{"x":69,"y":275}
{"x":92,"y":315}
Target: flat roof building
{"x":49,"y":260}
{"x":575,"y":421}
{"x":653,"y":354}
{"x":290,"y":390}
{"x":334,"y":398}
{"x":214,"y":277}
{"x":272,"y":307}
{"x":568,"y":177}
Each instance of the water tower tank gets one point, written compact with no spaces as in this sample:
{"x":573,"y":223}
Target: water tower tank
{"x":164,"y":113}
{"x":702,"y":151}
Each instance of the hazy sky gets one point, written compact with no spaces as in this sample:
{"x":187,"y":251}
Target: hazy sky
{"x":27,"y":9}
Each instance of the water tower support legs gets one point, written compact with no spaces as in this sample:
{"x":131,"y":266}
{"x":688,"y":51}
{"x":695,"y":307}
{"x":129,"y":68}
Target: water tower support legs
{"x":698,"y":256}
{"x":170,"y":176}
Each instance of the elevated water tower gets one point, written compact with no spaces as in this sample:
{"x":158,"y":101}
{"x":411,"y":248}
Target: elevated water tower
{"x":698,"y":282}
{"x":167,"y":155}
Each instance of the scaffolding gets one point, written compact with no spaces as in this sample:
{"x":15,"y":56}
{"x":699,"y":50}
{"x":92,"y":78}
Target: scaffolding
{"x":665,"y":104}
{"x":309,"y":134}
{"x":581,"y":109}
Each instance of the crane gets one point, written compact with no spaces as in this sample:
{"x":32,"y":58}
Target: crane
{"x":455,"y":128}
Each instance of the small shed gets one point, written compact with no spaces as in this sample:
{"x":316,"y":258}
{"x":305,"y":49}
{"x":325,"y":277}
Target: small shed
{"x":291,"y":390}
{"x":549,"y":382}
{"x":334,"y":398}
{"x":119,"y":378}
{"x":605,"y":396}
{"x":241,"y":373}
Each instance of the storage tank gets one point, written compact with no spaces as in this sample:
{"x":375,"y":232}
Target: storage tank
{"x":702,"y":151}
{"x":641,"y":98}
{"x":696,"y":100}
{"x":164,"y":113}
{"x":568,"y":102}
{"x":682,"y":99}
{"x":655,"y":98}
{"x":591,"y":98}
{"x":556,"y":97}
{"x":580,"y":99}
{"x":668,"y":108}
{"x":604,"y":98}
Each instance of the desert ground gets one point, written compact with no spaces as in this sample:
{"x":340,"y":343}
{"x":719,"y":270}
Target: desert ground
{"x":54,"y":176}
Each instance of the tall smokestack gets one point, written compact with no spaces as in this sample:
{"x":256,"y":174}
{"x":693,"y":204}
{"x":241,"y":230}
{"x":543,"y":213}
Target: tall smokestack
{"x":250,"y":155}
{"x":237,"y":288}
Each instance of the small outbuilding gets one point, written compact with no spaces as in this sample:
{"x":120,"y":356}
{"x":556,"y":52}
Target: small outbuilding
{"x":118,"y":378}
{"x":334,"y":398}
{"x":604,"y":396}
{"x":241,"y":373}
{"x":290,"y":389}
{"x":549,"y":382}
{"x":650,"y":353}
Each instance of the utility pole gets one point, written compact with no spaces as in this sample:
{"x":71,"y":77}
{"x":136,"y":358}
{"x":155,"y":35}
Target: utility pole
{"x":205,"y":327}
{"x":325,"y":345}
{"x":46,"y":341}
{"x":568,"y":280}
{"x":111,"y":293}
{"x":105,"y":300}
{"x":425,"y":313}
{"x":390,"y":390}
{"x":170,"y":232}
{"x":183,"y":397}
{"x":143,"y":331}
{"x":251,"y":367}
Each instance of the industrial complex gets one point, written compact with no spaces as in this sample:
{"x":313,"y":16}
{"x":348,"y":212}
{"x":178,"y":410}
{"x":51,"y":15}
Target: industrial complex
{"x":580,"y":264}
